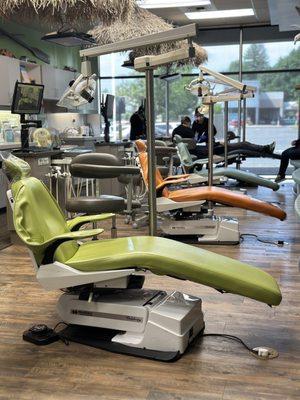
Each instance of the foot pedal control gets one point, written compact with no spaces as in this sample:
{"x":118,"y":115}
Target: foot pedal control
{"x":40,"y":335}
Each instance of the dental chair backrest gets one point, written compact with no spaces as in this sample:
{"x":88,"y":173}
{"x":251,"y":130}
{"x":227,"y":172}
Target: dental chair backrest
{"x":143,"y":161}
{"x":183,"y":152}
{"x":36,"y":215}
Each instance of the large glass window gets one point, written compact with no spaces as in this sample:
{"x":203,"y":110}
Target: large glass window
{"x":271,"y":116}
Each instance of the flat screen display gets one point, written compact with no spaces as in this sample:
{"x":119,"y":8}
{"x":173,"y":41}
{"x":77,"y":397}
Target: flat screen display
{"x":27,"y":98}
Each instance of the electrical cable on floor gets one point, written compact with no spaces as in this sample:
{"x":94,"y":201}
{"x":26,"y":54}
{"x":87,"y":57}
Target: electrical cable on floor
{"x":65,"y":341}
{"x":276,"y":243}
{"x":259,"y":352}
{"x":230,"y":337}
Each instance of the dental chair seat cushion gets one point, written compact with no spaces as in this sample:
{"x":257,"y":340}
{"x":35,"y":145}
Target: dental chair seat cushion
{"x":167,"y":257}
{"x":96,"y":205}
{"x":227,"y":197}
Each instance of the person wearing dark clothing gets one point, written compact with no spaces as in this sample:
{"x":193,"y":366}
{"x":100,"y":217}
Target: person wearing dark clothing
{"x":200,"y":128}
{"x":240,"y":147}
{"x":138,"y":124}
{"x":184,"y":129}
{"x":292,"y":153}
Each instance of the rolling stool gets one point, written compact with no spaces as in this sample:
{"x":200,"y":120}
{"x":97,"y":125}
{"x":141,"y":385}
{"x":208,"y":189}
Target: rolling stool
{"x":99,"y":166}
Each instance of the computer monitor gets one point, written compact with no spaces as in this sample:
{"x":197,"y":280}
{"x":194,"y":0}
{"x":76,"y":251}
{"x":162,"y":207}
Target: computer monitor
{"x":109,"y":106}
{"x":27,"y":98}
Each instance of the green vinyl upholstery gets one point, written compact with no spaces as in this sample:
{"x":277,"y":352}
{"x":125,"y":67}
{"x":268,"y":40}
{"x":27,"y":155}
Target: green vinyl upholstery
{"x":39,"y":222}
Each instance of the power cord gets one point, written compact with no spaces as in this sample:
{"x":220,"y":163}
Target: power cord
{"x":258,"y":352}
{"x":278,"y":243}
{"x":65,"y":341}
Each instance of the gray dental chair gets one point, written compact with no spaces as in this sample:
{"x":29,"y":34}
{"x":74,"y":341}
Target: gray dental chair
{"x":102,"y":166}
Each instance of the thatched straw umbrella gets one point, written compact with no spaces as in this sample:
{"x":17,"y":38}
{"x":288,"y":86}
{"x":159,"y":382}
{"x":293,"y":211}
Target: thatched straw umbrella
{"x":140,"y":23}
{"x":71,"y":11}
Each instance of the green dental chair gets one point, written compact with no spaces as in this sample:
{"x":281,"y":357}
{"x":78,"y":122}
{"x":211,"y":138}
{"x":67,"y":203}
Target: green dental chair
{"x":104,"y":304}
{"x":191,"y":165}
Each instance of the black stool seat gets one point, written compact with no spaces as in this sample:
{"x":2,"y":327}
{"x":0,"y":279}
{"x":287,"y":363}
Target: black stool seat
{"x":96,"y":205}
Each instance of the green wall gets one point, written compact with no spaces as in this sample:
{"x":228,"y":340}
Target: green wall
{"x":59,"y":56}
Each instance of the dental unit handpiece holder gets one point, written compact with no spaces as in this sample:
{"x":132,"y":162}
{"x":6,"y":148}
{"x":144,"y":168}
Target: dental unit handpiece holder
{"x":26,"y":124}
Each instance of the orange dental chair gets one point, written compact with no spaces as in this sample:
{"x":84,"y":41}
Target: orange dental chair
{"x":209,"y":230}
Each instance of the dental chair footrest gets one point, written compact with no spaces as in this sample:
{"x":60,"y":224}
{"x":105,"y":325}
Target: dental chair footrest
{"x":101,"y":338}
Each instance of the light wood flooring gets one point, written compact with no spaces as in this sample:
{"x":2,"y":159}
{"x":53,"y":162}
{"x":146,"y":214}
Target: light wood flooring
{"x":213,"y":369}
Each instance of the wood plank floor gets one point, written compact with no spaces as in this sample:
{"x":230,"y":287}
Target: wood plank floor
{"x":213,"y":369}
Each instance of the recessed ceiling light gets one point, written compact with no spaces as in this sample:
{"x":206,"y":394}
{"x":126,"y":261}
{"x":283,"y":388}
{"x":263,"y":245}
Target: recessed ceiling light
{"x":243,"y":12}
{"x":172,"y":3}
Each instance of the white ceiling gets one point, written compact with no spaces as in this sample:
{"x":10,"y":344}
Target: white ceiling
{"x":267,"y":12}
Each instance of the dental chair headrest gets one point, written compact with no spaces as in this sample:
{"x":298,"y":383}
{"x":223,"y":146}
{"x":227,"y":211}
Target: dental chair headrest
{"x":14,"y":168}
{"x":177,"y":139}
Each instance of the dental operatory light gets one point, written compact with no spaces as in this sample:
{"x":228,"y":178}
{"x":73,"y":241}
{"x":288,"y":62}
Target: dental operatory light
{"x":242,"y":12}
{"x":69,"y":38}
{"x":80,"y":92}
{"x":172,"y":3}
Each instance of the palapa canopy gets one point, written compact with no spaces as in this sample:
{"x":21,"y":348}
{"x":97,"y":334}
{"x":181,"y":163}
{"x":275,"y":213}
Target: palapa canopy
{"x":72,"y":11}
{"x":140,"y":23}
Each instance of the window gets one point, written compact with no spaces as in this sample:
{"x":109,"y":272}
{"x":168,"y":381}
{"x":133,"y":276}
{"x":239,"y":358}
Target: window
{"x":271,"y":116}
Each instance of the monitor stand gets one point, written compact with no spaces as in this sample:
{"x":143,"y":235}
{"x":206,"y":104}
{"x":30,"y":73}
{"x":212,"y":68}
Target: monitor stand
{"x":25,"y":125}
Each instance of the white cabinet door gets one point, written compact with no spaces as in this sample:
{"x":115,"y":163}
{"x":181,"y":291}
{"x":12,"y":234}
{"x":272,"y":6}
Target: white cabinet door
{"x":55,"y":81}
{"x":9,"y":74}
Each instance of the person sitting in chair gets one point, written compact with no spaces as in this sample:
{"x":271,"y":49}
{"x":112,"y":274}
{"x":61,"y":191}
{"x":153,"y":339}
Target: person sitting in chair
{"x":184,"y":129}
{"x":200,"y":135}
{"x":292,"y":153}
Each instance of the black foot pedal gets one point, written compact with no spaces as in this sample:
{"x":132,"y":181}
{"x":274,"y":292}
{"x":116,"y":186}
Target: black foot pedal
{"x":40,"y":335}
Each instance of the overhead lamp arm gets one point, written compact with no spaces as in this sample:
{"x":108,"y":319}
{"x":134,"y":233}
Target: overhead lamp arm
{"x":228,"y":81}
{"x":172,"y":35}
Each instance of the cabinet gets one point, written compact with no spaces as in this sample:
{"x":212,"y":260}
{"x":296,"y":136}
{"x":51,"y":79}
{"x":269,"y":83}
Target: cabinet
{"x":55,"y":81}
{"x":9,"y":74}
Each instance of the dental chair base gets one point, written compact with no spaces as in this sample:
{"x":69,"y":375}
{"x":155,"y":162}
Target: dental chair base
{"x":207,"y":230}
{"x":146,"y":323}
{"x":110,"y":310}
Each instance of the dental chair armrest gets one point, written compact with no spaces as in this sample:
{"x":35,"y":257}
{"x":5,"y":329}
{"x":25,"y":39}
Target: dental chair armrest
{"x":171,"y":182}
{"x":52,"y":244}
{"x":173,"y":177}
{"x":75,"y":223}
